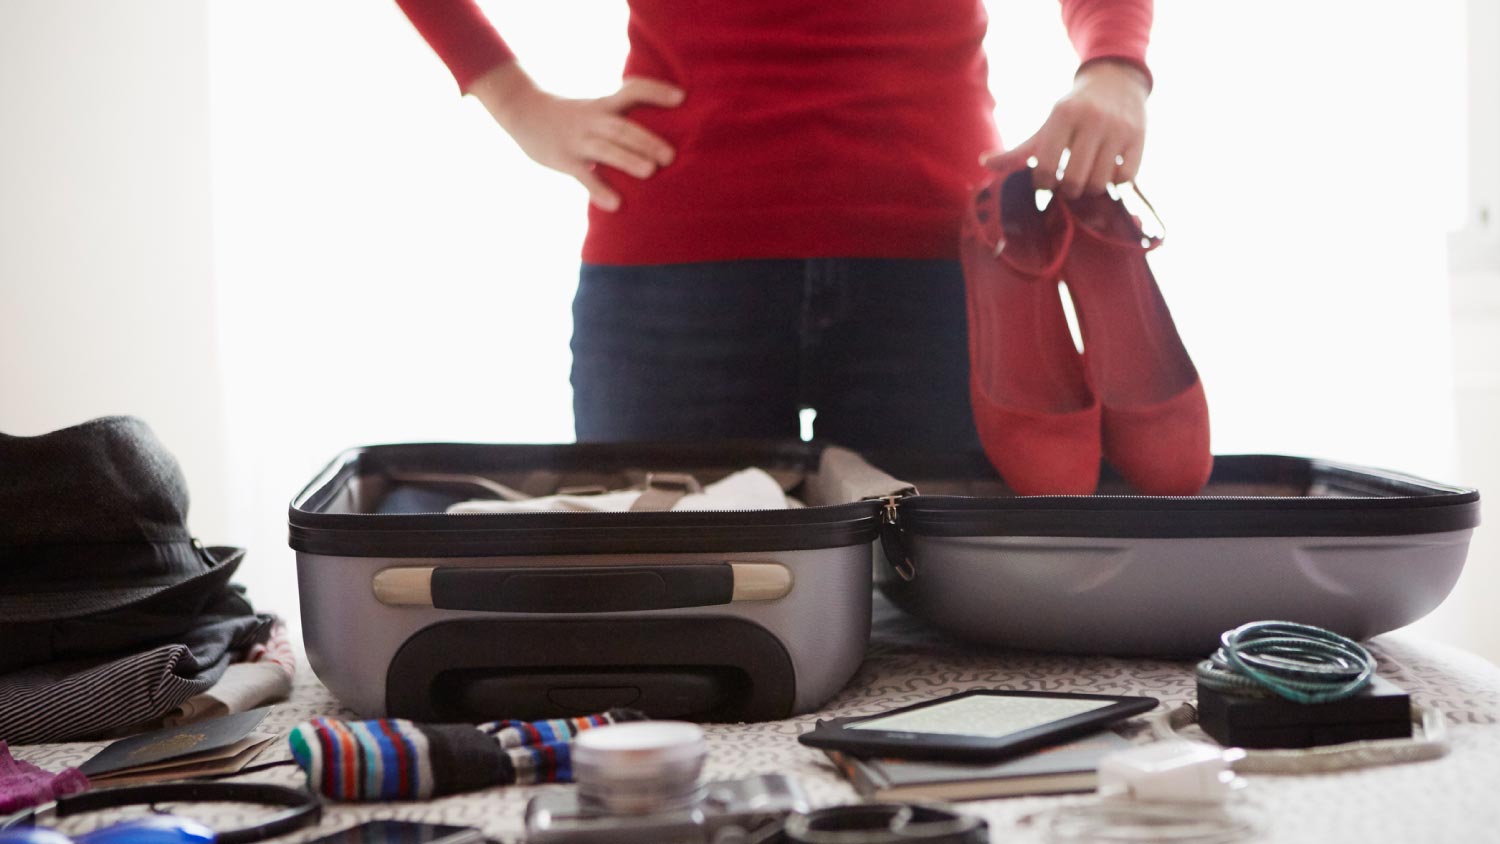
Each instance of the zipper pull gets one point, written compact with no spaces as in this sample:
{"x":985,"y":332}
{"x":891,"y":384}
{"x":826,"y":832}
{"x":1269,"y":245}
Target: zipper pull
{"x":891,"y":541}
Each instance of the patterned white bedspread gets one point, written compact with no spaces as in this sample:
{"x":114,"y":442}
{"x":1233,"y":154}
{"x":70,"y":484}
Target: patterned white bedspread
{"x":1456,"y":798}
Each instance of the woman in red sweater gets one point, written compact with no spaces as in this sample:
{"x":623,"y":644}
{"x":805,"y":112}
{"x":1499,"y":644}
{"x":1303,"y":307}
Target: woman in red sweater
{"x":775,"y":194}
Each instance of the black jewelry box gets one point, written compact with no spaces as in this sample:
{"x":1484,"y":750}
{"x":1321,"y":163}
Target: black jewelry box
{"x":1380,"y":711}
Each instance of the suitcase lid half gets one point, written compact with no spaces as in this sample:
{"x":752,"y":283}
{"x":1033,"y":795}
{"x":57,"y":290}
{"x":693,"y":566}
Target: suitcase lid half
{"x":1246,"y":496}
{"x":338,"y":514}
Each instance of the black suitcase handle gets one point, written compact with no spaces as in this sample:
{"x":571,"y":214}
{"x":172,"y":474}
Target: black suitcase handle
{"x":580,"y":589}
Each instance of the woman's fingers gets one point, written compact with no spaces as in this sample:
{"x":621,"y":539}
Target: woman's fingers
{"x":1101,"y":126}
{"x":1103,"y":172}
{"x":1011,"y":159}
{"x":1129,"y":164}
{"x":600,"y":194}
{"x":618,"y":142}
{"x":1093,"y":160}
{"x":639,"y":91}
{"x":1102,"y":169}
{"x":601,"y":151}
{"x":636,"y":138}
{"x":1046,"y":146}
{"x":1051,"y":141}
{"x":1082,"y":152}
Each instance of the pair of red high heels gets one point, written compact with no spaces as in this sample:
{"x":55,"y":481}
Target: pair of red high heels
{"x":1046,"y":414}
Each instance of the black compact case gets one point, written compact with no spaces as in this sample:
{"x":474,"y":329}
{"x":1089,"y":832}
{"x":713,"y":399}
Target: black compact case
{"x":1380,"y":711}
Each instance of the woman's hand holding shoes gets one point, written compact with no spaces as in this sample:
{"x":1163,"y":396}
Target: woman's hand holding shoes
{"x":1102,"y":124}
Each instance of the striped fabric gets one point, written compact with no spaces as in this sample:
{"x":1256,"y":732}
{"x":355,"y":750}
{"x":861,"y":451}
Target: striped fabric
{"x":79,"y":697}
{"x":65,"y":703}
{"x":394,"y":759}
{"x":519,"y":733}
{"x":276,"y":650}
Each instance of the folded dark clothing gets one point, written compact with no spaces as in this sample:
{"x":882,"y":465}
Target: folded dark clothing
{"x":141,"y":625}
{"x":88,"y":697}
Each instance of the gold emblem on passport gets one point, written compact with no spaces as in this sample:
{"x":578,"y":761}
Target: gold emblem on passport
{"x":171,"y":746}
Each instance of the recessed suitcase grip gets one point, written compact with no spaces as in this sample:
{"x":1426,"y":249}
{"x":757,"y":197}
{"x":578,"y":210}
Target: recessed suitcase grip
{"x":581,"y":589}
{"x":702,"y":667}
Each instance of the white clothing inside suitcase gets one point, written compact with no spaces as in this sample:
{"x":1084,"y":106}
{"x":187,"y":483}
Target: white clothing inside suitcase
{"x":747,"y":489}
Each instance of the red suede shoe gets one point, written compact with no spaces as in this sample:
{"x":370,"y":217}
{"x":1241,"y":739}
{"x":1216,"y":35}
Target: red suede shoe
{"x":1155,"y":416}
{"x":1037,"y":417}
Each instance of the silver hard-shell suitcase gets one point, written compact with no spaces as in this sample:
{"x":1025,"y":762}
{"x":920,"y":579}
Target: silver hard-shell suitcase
{"x":410,"y":611}
{"x":1357,"y":550}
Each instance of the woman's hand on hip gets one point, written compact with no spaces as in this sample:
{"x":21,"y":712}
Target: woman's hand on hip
{"x":571,"y":136}
{"x":1102,"y":125}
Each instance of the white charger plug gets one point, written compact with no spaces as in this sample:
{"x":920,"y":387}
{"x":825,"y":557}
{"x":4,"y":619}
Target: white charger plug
{"x":1171,"y":772}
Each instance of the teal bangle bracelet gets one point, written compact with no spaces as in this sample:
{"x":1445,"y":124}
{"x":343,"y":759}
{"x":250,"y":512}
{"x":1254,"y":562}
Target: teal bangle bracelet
{"x":1212,"y":676}
{"x":1299,"y":662}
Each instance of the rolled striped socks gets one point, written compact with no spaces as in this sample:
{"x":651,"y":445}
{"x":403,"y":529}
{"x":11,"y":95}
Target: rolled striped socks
{"x":393,"y":759}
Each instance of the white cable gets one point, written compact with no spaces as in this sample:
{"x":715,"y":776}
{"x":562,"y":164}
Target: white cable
{"x":1431,"y":744}
{"x":1117,"y":821}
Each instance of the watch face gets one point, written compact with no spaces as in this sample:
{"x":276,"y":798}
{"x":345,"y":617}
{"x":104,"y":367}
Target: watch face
{"x":985,"y":716}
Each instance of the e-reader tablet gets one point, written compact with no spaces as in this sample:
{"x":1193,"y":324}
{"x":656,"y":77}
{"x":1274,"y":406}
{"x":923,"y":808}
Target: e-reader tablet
{"x":975,"y":726}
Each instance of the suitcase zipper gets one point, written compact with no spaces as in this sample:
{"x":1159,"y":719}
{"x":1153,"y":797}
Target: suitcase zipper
{"x":891,"y":540}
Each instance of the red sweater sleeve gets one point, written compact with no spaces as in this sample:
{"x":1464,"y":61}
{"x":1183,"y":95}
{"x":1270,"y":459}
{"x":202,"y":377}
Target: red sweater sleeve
{"x":1110,"y":29}
{"x":460,"y":34}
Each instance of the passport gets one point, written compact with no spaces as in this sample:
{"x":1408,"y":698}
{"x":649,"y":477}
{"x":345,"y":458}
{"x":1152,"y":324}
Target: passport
{"x":187,"y":743}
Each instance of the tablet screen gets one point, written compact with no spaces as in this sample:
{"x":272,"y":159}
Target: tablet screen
{"x":990,"y":716}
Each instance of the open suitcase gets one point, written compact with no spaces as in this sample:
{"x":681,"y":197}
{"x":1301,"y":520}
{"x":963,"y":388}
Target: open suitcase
{"x":1356,"y":550}
{"x":726,"y":616}
{"x":414,"y":612}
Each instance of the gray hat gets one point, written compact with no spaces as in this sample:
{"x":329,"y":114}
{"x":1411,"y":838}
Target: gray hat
{"x":93,"y":519}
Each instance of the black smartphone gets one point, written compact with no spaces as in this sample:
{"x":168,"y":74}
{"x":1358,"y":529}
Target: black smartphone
{"x":403,"y":832}
{"x":987,"y":725}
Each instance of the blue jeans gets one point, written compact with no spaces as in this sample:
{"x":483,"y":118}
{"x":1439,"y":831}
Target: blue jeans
{"x":736,"y":349}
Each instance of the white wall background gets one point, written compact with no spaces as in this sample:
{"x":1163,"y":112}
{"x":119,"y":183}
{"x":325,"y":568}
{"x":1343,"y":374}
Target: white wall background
{"x":106,"y":267}
{"x":386,"y":266}
{"x":1474,"y":262}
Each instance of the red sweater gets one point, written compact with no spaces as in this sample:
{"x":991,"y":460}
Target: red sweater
{"x":811,"y":128}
